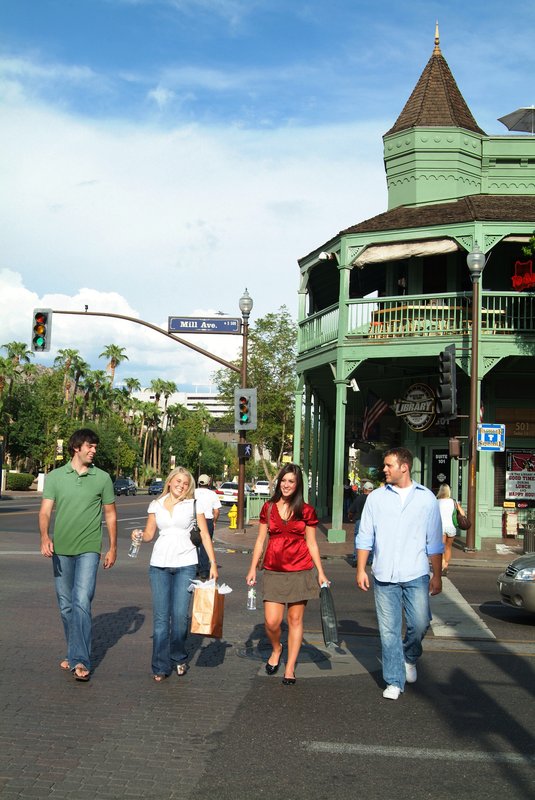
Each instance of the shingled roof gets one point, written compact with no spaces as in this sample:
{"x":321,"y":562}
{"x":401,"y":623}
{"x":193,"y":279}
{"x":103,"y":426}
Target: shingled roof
{"x":436,"y":101}
{"x":481,"y":207}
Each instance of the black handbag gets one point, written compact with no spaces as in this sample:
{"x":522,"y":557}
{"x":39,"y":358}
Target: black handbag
{"x":195,"y":532}
{"x":328,"y":617}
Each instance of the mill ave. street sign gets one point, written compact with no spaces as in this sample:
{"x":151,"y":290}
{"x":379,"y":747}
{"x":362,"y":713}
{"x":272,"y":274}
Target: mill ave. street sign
{"x":204,"y":325}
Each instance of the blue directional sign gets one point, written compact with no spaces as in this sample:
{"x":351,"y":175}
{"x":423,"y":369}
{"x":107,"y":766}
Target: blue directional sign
{"x":491,"y":437}
{"x":204,"y":325}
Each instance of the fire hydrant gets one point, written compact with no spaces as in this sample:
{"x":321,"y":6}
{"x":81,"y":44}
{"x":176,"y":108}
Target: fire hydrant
{"x":232,"y":517}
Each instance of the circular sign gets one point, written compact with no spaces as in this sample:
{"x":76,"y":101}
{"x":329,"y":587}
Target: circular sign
{"x":417,"y":407}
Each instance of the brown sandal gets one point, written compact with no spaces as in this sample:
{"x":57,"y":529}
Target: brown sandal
{"x":159,"y":677}
{"x":65,"y":665}
{"x":81,"y":673}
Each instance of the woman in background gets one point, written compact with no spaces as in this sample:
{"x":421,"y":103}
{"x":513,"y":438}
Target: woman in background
{"x":289,"y":576}
{"x":447,"y":506}
{"x":173,"y":565}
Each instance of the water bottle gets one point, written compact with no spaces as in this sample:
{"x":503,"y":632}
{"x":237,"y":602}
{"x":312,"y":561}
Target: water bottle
{"x":251,"y":599}
{"x":136,"y":543}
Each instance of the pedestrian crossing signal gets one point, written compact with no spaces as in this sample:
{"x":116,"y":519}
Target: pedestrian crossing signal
{"x":41,"y":330}
{"x":244,"y":410}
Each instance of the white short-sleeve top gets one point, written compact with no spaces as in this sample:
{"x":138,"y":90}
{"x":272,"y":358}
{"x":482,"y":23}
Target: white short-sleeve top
{"x":173,"y":547}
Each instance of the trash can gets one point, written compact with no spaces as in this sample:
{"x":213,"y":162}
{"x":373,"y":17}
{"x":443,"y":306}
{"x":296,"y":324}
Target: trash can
{"x":529,"y":539}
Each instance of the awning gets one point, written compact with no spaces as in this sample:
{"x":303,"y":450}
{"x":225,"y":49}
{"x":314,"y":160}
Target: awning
{"x":377,"y":253}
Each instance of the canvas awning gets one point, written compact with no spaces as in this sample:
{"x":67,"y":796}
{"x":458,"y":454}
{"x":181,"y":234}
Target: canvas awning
{"x":377,"y":253}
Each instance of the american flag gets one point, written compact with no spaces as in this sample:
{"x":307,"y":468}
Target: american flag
{"x":375,"y":408}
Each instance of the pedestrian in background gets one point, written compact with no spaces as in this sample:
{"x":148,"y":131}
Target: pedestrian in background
{"x":289,"y":525}
{"x":173,"y":565}
{"x":446,"y":505}
{"x":210,"y":505}
{"x":355,"y":512}
{"x":401,"y":523}
{"x":80,"y":492}
{"x":348,"y":497}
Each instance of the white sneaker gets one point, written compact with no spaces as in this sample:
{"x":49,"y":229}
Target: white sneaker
{"x":392,"y":692}
{"x":410,"y":672}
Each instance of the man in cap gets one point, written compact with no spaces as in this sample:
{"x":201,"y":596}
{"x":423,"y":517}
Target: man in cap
{"x":209,"y":504}
{"x":355,"y":513}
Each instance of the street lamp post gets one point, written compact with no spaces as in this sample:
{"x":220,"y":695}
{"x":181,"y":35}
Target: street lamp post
{"x":476,"y":263}
{"x":119,"y":440}
{"x":246,"y":306}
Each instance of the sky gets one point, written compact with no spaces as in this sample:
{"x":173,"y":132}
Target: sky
{"x":157,"y":157}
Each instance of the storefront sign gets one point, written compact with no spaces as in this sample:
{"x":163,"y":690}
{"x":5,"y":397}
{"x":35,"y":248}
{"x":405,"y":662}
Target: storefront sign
{"x":417,"y":407}
{"x":520,"y":475}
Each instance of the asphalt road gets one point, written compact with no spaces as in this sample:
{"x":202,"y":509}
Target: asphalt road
{"x":466,"y":729}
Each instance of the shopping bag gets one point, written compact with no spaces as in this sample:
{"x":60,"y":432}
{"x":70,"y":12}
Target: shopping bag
{"x":207,"y":612}
{"x":328,"y":617}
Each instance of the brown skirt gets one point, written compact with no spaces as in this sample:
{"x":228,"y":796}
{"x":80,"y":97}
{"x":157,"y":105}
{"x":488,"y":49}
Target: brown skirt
{"x":289,"y":587}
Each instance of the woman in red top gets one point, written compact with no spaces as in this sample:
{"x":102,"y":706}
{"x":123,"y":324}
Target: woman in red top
{"x":291,"y":555}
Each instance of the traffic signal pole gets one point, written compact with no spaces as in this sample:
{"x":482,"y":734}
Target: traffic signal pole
{"x":159,"y":330}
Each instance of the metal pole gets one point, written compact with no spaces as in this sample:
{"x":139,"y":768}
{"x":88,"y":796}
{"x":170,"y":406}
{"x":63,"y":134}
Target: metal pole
{"x":240,"y":522}
{"x":474,"y":415}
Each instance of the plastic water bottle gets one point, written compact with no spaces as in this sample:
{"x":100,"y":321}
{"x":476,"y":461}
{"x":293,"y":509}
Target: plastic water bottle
{"x":136,"y":543}
{"x":251,"y":599}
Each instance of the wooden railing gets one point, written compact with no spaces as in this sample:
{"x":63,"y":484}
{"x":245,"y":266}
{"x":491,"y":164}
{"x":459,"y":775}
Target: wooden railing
{"x":410,"y":316}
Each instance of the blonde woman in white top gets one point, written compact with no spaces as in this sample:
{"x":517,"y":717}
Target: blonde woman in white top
{"x":446,"y":506}
{"x":173,"y":566}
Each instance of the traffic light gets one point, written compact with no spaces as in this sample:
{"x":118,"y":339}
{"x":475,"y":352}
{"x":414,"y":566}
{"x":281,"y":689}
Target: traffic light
{"x":447,"y":384}
{"x":244,"y":410}
{"x":41,"y":330}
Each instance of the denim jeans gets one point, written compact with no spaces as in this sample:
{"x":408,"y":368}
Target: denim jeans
{"x":170,"y":606}
{"x":75,"y":578}
{"x":391,"y":599}
{"x":204,"y":561}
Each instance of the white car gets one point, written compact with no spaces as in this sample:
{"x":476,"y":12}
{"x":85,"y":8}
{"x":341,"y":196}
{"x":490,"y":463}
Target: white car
{"x":228,"y":493}
{"x":262,"y":487}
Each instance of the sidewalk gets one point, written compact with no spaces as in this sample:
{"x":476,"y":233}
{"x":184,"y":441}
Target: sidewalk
{"x":494,"y":552}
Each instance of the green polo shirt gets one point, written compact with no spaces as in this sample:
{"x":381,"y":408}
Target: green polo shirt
{"x":78,"y":502}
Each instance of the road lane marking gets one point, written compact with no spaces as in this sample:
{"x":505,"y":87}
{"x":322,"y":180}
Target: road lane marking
{"x":340,"y":748}
{"x":453,"y":616}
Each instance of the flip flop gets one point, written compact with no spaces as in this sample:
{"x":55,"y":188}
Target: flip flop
{"x":64,"y":665}
{"x":77,"y":672}
{"x":159,"y":678}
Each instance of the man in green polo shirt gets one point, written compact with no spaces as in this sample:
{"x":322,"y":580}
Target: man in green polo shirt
{"x":80,"y":492}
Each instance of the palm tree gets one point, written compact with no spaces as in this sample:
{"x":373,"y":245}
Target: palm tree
{"x":132,"y":385}
{"x":115,"y":356}
{"x":18,"y":352}
{"x":64,"y":360}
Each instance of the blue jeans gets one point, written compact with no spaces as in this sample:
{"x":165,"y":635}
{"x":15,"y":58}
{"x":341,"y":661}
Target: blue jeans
{"x":170,"y":606}
{"x":204,"y":561}
{"x":75,"y":578}
{"x":391,"y":599}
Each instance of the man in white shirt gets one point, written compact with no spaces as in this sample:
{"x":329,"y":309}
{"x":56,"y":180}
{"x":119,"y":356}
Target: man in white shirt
{"x":209,"y":504}
{"x":401,"y":523}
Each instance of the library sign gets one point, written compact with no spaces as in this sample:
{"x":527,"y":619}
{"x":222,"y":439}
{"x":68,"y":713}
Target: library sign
{"x":417,"y":407}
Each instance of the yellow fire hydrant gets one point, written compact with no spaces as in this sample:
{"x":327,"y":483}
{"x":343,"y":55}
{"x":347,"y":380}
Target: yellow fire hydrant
{"x":232,"y":517}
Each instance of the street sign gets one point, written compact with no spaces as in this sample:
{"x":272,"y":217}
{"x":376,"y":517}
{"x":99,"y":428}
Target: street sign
{"x":491,"y":437}
{"x":204,"y":325}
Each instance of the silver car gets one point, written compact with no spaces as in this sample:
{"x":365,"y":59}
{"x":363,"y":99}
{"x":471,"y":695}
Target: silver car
{"x":517,"y":584}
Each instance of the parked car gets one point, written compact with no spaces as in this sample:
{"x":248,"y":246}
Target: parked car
{"x":517,"y":584}
{"x":228,"y":493}
{"x":156,"y":486}
{"x":262,"y":487}
{"x":124,"y":486}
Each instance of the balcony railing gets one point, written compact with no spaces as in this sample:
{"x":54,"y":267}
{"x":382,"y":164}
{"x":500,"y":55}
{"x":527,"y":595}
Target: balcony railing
{"x":412,"y":316}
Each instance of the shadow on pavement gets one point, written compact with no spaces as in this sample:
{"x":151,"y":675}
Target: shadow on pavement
{"x":109,"y":628}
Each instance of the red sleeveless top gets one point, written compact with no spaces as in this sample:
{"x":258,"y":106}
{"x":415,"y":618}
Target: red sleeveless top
{"x":287,"y":549}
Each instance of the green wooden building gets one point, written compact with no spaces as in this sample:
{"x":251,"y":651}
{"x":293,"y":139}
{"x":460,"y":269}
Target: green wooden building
{"x":379,"y":301}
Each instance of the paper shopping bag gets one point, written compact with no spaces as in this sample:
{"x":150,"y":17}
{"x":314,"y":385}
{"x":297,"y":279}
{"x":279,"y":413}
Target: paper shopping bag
{"x":207,"y":612}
